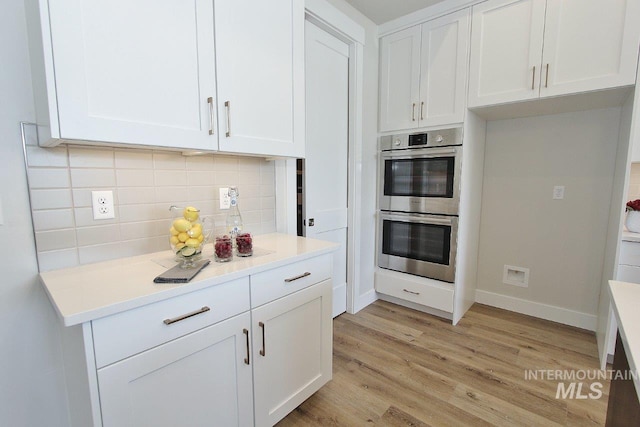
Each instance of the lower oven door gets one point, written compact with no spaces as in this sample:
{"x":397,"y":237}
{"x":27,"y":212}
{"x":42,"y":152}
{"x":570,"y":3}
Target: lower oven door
{"x":424,"y":245}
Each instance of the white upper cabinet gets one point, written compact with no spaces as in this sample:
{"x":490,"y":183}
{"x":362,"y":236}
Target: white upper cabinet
{"x":131,"y":72}
{"x":588,"y":45}
{"x":260,"y":71}
{"x":423,"y":74}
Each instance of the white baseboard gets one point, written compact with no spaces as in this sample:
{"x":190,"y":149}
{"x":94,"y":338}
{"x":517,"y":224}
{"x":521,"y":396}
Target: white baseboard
{"x":364,"y":300}
{"x":536,"y":309}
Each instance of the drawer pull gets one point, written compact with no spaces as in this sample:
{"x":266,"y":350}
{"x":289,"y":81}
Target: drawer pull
{"x":186,"y":316}
{"x":246,"y":332}
{"x":210,"y":102}
{"x":262,"y":352}
{"x":411,"y":292}
{"x":292,"y":279}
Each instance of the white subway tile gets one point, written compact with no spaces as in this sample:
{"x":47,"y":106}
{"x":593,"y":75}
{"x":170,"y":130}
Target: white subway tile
{"x":195,"y":177}
{"x":226,"y":179}
{"x":225,"y":163}
{"x":84,"y":218}
{"x":168,"y":160}
{"x":56,"y":239}
{"x":249,"y":177}
{"x":145,"y":229}
{"x":98,"y":253}
{"x":53,"y":219}
{"x":268,"y":190}
{"x":134,"y":178}
{"x":250,"y":190}
{"x":53,"y":260}
{"x":170,"y":178}
{"x":136,"y":213}
{"x":268,"y":167}
{"x":204,"y":162}
{"x":172,"y":196}
{"x":134,"y":159}
{"x":249,"y":164}
{"x":136,"y":195}
{"x":48,"y":178}
{"x":90,"y":157}
{"x":93,"y":178}
{"x":51,"y":157}
{"x":246,"y":204}
{"x":197,"y":193}
{"x":268,"y":216}
{"x":251,"y":217}
{"x":98,"y":235}
{"x":268,"y":203}
{"x":51,"y":199}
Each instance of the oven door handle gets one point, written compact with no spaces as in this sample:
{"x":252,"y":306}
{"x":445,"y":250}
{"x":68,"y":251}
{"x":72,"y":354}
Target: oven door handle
{"x":422,"y":153}
{"x":434,"y":220}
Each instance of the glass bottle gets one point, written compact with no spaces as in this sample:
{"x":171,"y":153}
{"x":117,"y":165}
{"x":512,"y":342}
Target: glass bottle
{"x":234,"y":219}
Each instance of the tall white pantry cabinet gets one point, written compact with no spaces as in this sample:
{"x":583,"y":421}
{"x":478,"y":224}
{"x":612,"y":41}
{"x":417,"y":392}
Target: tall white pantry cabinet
{"x":203,"y":75}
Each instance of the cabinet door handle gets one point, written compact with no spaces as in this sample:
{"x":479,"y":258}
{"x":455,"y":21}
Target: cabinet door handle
{"x":546,"y":80}
{"x":210,"y":102}
{"x":533,"y":78}
{"x":413,"y":112}
{"x":246,"y":332}
{"x":411,"y":292}
{"x":227,"y":106}
{"x":292,"y":279}
{"x":186,"y":316}
{"x":262,"y":352}
{"x":422,"y":110}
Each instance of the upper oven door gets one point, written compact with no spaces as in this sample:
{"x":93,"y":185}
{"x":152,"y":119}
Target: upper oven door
{"x":423,"y":180}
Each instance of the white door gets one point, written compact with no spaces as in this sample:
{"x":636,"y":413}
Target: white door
{"x":292,"y":342}
{"x":443,"y":78}
{"x":326,"y":179}
{"x":589,"y":45}
{"x":135,"y":72}
{"x":506,"y":51}
{"x":201,"y":379}
{"x":258,"y":65}
{"x":400,"y":79}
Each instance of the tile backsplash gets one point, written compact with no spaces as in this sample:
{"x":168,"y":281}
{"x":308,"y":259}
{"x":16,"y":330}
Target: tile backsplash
{"x":144,"y":184}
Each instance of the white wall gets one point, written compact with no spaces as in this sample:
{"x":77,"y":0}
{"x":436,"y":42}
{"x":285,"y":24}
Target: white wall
{"x":561,"y":241}
{"x":366,"y":293}
{"x":32,"y":391}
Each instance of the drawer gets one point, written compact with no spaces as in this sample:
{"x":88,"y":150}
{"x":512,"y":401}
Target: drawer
{"x":276,"y":283}
{"x":419,"y":290}
{"x":124,"y":334}
{"x":629,"y":253}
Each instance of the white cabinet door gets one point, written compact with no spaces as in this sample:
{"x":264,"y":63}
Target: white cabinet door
{"x":133,"y":72}
{"x":400,"y":80}
{"x":589,"y":45}
{"x":444,"y":66}
{"x":292,"y":351}
{"x":506,"y":51}
{"x":260,"y":72}
{"x":201,"y":379}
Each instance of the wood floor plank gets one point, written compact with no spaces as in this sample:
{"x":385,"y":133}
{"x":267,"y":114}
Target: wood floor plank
{"x":394,"y":366}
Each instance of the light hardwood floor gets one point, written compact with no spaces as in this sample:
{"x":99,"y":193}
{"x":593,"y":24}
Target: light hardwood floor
{"x":393,"y":366}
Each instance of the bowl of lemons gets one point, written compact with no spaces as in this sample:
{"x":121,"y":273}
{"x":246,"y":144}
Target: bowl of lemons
{"x":188,"y":234}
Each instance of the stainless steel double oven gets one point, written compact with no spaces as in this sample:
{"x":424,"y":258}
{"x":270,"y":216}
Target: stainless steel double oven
{"x":419,"y":200}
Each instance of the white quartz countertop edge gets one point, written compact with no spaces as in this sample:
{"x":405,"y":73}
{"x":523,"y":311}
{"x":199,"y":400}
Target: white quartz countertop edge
{"x":88,"y":292}
{"x":625,"y":298}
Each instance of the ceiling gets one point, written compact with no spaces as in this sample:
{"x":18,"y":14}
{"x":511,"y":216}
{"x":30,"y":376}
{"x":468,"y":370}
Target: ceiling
{"x":381,"y":11}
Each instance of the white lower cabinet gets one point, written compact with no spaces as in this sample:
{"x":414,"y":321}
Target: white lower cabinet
{"x":202,"y":379}
{"x":292,"y":351}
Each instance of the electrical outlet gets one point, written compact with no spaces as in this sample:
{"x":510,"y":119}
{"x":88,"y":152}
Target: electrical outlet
{"x":102,"y":202}
{"x":558,"y":192}
{"x":225,"y":202}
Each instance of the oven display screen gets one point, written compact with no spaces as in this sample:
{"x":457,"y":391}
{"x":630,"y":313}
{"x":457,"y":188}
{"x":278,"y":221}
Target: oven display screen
{"x":422,"y":242}
{"x":422,"y":177}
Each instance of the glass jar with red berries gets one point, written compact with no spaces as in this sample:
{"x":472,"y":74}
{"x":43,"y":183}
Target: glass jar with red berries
{"x":244,"y":244}
{"x":223,"y":250}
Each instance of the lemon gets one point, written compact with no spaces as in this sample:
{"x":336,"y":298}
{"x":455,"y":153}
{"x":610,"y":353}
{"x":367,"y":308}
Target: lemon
{"x":192,"y":243}
{"x":182,"y":225}
{"x":191,"y":214}
{"x":183,"y":237}
{"x":196,"y":231}
{"x":173,"y":231}
{"x":174,"y":240}
{"x":179,"y":246}
{"x":201,"y":238}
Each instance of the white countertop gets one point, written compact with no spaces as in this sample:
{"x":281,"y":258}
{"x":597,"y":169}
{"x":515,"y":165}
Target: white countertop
{"x":625,"y":298}
{"x":628,"y":236}
{"x":91,"y":291}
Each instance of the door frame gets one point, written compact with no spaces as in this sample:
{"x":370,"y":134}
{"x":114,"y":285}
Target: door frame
{"x":330,"y":19}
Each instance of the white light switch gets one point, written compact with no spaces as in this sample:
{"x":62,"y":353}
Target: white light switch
{"x":558,"y":192}
{"x":225,"y":202}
